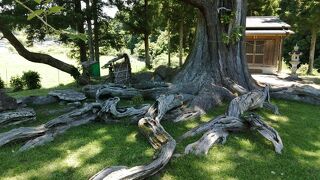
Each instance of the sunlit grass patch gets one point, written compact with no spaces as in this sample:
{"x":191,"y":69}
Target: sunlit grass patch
{"x":82,"y":151}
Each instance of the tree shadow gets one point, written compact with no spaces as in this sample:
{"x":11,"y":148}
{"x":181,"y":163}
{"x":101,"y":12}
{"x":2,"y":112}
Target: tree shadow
{"x":249,"y":156}
{"x":77,"y":154}
{"x":83,"y":151}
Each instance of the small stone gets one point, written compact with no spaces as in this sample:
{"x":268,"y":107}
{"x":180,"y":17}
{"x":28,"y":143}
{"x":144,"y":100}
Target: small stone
{"x":272,"y":172}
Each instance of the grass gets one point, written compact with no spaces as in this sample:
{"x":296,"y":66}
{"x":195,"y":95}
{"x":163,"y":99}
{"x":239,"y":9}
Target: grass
{"x":83,"y":151}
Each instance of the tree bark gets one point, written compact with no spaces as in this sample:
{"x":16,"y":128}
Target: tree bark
{"x":312,"y":50}
{"x":169,"y":43}
{"x":146,"y":36}
{"x":181,"y":35}
{"x":96,"y":30}
{"x":217,"y":130}
{"x":90,"y":36}
{"x":146,"y":51}
{"x":157,"y":136}
{"x":41,"y":58}
{"x":212,"y":60}
{"x":80,"y":28}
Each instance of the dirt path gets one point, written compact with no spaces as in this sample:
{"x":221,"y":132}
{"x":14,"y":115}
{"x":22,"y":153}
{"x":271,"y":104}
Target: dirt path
{"x":280,"y":81}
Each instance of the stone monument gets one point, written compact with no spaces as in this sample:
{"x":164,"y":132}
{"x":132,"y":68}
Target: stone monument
{"x":295,"y":61}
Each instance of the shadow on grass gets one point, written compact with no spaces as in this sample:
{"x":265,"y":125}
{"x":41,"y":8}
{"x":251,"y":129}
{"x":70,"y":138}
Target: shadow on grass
{"x":77,"y":154}
{"x":250,"y":156}
{"x":84,"y":150}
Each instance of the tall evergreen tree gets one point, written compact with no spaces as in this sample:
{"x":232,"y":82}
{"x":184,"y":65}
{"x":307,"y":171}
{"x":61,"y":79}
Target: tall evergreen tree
{"x":304,"y":15}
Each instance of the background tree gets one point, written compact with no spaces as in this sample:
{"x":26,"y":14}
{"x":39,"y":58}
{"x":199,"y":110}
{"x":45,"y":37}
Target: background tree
{"x":14,"y":15}
{"x":304,"y":15}
{"x":218,"y":56}
{"x":140,"y":17}
{"x":182,"y":18}
{"x":263,"y":7}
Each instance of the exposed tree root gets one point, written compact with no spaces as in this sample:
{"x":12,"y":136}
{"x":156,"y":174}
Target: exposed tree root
{"x":109,"y":110}
{"x":182,"y":113}
{"x":210,"y":138}
{"x":17,"y":116}
{"x":217,"y":129}
{"x":157,"y":136}
{"x":44,"y":133}
{"x":170,"y":106}
{"x":107,"y":91}
{"x":265,"y":130}
{"x":307,"y":94}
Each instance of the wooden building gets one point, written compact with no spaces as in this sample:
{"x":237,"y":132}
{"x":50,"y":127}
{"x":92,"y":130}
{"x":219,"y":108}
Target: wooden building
{"x":264,"y":40}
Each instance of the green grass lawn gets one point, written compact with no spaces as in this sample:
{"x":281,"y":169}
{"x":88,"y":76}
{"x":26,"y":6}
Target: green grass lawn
{"x":83,"y":151}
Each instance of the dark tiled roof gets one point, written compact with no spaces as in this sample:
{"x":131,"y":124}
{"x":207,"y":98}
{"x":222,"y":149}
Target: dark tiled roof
{"x":265,"y":22}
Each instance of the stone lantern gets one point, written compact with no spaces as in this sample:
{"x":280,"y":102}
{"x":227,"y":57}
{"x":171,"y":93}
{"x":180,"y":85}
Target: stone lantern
{"x":295,"y":59}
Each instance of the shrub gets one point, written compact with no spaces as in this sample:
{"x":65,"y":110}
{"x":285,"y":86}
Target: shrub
{"x":302,"y":70}
{"x":16,"y":83}
{"x":1,"y":84}
{"x":31,"y":79}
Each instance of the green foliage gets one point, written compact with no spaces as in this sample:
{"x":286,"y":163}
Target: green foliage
{"x":31,"y":80}
{"x":304,"y":17}
{"x":303,"y":40}
{"x":2,"y":85}
{"x":303,"y":69}
{"x":35,"y":13}
{"x":263,"y":7}
{"x":227,"y":17}
{"x":16,"y":83}
{"x":235,"y":36}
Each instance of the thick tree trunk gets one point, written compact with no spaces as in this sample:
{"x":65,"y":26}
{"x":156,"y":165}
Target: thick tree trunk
{"x":81,"y":43}
{"x":80,"y":28}
{"x":181,"y":43}
{"x":146,"y":36}
{"x":96,"y":30}
{"x":312,"y":50}
{"x":212,"y":60}
{"x":169,"y":43}
{"x":41,"y":58}
{"x":90,"y":36}
{"x":146,"y":51}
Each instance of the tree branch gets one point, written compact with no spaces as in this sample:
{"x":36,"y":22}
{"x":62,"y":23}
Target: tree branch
{"x":39,"y":57}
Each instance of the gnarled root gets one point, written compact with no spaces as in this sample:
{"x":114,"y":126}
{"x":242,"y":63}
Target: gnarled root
{"x":17,"y":116}
{"x":109,"y":110}
{"x":218,"y":128}
{"x":210,"y":138}
{"x":157,"y":136}
{"x":182,"y":114}
{"x":265,"y":130}
{"x":45,"y":133}
{"x":306,"y":93}
{"x":139,"y":172}
{"x":107,"y":91}
{"x":227,"y":123}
